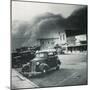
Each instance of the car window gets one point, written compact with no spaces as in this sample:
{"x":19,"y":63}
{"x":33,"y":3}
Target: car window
{"x":50,"y":53}
{"x":41,"y":55}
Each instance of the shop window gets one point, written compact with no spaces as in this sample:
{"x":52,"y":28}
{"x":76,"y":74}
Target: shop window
{"x":60,"y":37}
{"x":48,"y":42}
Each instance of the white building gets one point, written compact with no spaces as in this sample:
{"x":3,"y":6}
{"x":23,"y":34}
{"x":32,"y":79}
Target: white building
{"x":54,"y":38}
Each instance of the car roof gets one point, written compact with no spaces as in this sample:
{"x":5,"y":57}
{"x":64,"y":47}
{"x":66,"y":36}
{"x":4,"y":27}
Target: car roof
{"x":46,"y":51}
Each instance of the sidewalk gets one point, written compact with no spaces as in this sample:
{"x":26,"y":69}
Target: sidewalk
{"x":18,"y":81}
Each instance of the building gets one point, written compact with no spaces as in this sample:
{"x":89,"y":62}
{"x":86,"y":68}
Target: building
{"x":69,"y":43}
{"x":50,"y":41}
{"x":77,"y":43}
{"x":46,"y":43}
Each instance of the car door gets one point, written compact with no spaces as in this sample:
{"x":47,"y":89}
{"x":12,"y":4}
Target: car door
{"x":51,"y":60}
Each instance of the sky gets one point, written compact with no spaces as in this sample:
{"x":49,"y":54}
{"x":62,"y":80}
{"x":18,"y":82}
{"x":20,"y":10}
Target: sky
{"x":28,"y":10}
{"x":30,"y":21}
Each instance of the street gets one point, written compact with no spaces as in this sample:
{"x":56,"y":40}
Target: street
{"x":73,"y":71}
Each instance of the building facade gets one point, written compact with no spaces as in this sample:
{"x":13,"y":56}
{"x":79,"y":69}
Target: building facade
{"x":77,"y":43}
{"x":50,"y":42}
{"x":72,"y":44}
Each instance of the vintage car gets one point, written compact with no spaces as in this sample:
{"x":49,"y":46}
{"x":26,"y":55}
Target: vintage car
{"x":43,"y":62}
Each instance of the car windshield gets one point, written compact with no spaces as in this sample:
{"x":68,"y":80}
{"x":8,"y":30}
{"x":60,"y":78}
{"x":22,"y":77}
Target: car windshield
{"x":41,"y":55}
{"x":50,"y":53}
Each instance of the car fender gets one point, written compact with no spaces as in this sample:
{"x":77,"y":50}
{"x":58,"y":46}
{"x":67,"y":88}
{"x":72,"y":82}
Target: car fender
{"x":43,"y":65}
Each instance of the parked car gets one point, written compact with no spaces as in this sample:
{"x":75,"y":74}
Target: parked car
{"x":43,"y":62}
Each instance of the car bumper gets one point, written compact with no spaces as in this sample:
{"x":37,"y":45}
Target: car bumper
{"x":31,"y":73}
{"x":34,"y":73}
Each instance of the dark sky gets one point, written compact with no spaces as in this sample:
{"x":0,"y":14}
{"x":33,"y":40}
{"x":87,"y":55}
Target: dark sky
{"x":77,"y":22}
